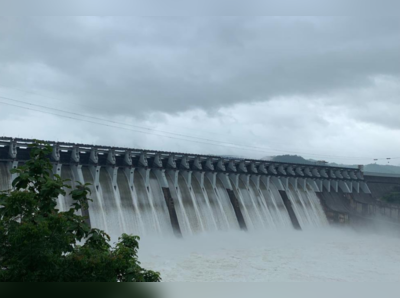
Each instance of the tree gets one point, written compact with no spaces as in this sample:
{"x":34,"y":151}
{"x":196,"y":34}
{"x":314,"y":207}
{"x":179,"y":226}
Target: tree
{"x":40,"y":243}
{"x":393,"y":197}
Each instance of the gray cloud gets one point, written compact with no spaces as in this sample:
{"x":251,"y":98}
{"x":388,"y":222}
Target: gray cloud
{"x":324,"y":88}
{"x":131,"y":66}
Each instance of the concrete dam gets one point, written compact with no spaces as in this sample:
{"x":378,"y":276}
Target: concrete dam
{"x":146,"y":192}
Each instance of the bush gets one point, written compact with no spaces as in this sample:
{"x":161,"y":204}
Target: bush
{"x":38,"y":243}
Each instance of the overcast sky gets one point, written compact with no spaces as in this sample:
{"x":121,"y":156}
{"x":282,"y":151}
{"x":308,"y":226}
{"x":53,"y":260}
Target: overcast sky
{"x":323,"y":88}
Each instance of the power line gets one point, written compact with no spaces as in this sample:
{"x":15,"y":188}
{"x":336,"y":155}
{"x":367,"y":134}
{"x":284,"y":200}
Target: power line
{"x":79,"y":103}
{"x":138,"y":131}
{"x":111,"y":121}
{"x":202,"y":140}
{"x":171,"y":133}
{"x":234,"y":146}
{"x":176,"y":134}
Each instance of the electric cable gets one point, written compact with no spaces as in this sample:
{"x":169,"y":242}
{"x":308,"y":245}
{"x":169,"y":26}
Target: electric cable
{"x":202,"y":140}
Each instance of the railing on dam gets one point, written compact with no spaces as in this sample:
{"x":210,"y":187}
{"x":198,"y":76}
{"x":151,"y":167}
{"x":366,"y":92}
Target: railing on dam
{"x":319,"y":177}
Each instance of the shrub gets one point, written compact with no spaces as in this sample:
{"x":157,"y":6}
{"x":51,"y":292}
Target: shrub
{"x":40,"y":243}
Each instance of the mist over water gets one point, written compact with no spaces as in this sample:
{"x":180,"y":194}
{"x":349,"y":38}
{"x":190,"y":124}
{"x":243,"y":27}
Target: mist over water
{"x":326,"y":254}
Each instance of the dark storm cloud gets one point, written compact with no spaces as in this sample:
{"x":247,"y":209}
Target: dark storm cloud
{"x":131,"y":66}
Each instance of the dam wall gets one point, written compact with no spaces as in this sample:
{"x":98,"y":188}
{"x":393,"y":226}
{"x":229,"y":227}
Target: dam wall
{"x":364,"y":207}
{"x":147,"y":192}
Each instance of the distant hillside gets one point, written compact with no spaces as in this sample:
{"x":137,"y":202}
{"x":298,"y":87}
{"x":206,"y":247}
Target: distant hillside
{"x":385,"y":169}
{"x":292,"y":159}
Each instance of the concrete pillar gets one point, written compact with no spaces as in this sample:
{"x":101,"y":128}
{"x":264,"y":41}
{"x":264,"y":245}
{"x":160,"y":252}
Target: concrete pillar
{"x":277,"y":182}
{"x":316,"y":185}
{"x":78,"y":175}
{"x":335,"y":185}
{"x":209,"y":165}
{"x":281,"y":170}
{"x":95,"y":171}
{"x":288,"y":205}
{"x":344,"y":187}
{"x":162,"y":179}
{"x":245,"y":179}
{"x":293,"y":182}
{"x":266,"y":180}
{"x":221,"y":165}
{"x":113,"y":173}
{"x":284,"y":181}
{"x":327,"y":185}
{"x":57,"y":169}
{"x":172,"y":212}
{"x":12,"y":165}
{"x":307,"y":171}
{"x":236,"y":208}
{"x":184,"y":164}
{"x":234,"y":178}
{"x":356,"y":186}
{"x":200,"y":177}
{"x":262,"y":169}
{"x":320,"y":185}
{"x":157,"y":161}
{"x":290,"y":171}
{"x":242,"y":167}
{"x":55,"y":153}
{"x":197,"y":164}
{"x":213,"y":178}
{"x":143,"y":159}
{"x":253,"y":168}
{"x":171,"y":161}
{"x":256,"y":180}
{"x":365,"y":187}
{"x":187,"y":175}
{"x":146,"y":176}
{"x":272,"y":170}
{"x":130,"y":175}
{"x":302,"y":183}
{"x":173,"y":174}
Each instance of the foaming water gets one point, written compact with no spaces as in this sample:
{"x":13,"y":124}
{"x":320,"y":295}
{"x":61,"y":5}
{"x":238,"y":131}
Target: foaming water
{"x":314,"y":255}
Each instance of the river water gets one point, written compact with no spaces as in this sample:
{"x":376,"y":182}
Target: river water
{"x":320,"y":255}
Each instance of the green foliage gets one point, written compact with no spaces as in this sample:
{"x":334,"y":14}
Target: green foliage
{"x":39,"y":243}
{"x":393,"y":197}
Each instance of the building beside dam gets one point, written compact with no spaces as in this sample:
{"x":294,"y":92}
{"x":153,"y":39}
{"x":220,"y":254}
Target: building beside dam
{"x":147,"y":192}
